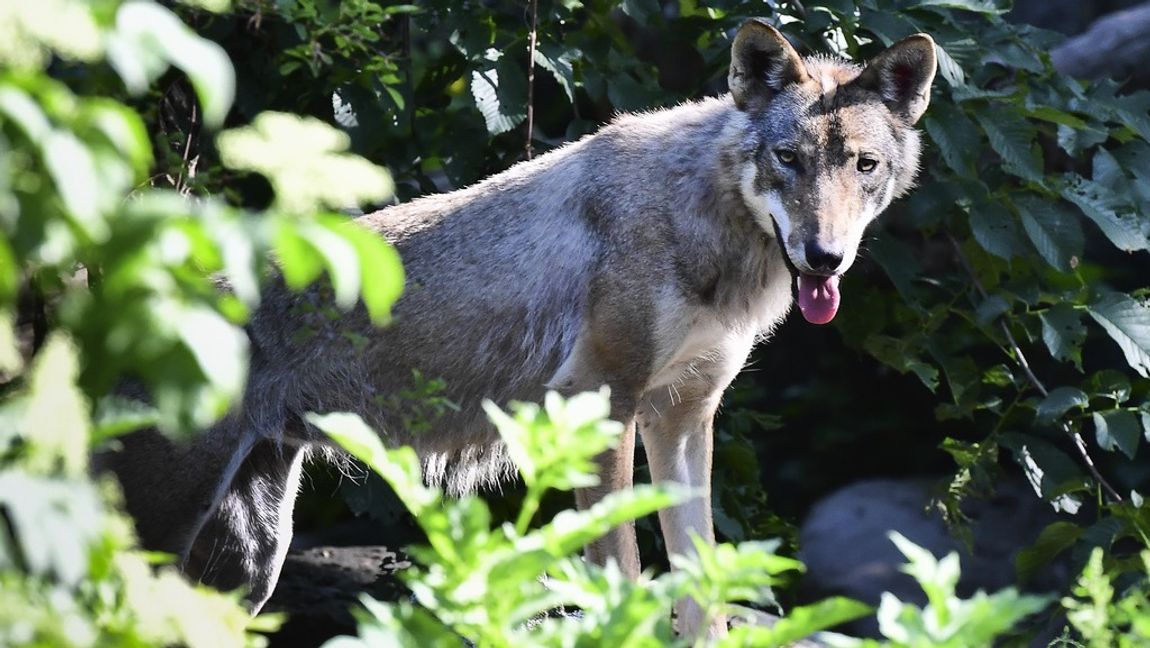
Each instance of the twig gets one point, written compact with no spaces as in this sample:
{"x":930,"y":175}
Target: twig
{"x":1033,"y":379}
{"x":187,"y":162}
{"x":532,"y":43}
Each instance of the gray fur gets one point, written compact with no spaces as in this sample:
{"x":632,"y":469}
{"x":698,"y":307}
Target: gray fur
{"x":643,"y":257}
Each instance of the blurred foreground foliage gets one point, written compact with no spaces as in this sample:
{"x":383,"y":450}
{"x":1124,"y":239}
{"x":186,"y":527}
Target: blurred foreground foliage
{"x":1003,"y":303}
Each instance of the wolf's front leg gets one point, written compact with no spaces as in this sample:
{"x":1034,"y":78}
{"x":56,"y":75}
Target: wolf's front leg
{"x":616,"y":473}
{"x":678,"y":440}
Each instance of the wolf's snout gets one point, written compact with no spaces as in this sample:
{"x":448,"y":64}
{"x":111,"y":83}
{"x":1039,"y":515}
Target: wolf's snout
{"x":821,"y":260}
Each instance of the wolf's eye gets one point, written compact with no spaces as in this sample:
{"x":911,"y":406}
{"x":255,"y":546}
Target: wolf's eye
{"x":867,"y":164}
{"x":786,"y":156}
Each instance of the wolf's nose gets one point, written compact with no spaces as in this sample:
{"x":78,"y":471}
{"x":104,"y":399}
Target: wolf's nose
{"x":821,"y":259}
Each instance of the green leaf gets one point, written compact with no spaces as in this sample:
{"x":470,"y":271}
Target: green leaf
{"x":381,"y":272}
{"x":1015,"y":141}
{"x":500,"y":93}
{"x":1117,"y":429}
{"x":570,"y":530}
{"x":949,"y":68}
{"x":299,"y":261}
{"x":996,"y":230}
{"x":148,"y":34}
{"x":55,"y":418}
{"x":73,"y":171}
{"x":1061,"y":400}
{"x":10,"y":359}
{"x":799,"y":623}
{"x":1074,"y":141}
{"x":1051,"y":473}
{"x":124,"y":130}
{"x":9,"y":274}
{"x":305,"y":161}
{"x":58,"y":521}
{"x":557,"y":60}
{"x":25,"y":113}
{"x":937,"y":578}
{"x":219,"y":348}
{"x":399,"y":467}
{"x":953,"y":133}
{"x":1132,"y":110}
{"x":1063,"y":332}
{"x":988,"y":7}
{"x":1116,"y":217}
{"x":642,"y":10}
{"x":1127,"y":321}
{"x":1053,"y":540}
{"x":116,"y":416}
{"x":1053,"y":229}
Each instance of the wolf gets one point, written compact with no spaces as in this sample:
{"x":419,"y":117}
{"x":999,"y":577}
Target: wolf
{"x":649,"y":257}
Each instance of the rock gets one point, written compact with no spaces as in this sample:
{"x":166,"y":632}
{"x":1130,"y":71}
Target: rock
{"x":847,"y":552}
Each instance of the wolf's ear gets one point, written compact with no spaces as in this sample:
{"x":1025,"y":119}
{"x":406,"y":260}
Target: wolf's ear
{"x":902,"y":76}
{"x":762,"y":63}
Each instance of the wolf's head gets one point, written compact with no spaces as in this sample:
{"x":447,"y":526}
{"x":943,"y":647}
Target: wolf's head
{"x":833,"y":143}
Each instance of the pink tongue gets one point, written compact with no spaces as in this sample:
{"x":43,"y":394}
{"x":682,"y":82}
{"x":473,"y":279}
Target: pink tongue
{"x":818,"y":298}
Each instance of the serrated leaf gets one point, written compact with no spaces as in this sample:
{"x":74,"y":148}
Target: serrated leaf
{"x":1015,"y":141}
{"x":1117,"y":429}
{"x":996,"y":230}
{"x":990,"y":7}
{"x":1076,"y":140}
{"x":1116,"y":217}
{"x":1053,"y":540}
{"x":1054,"y":229}
{"x":500,"y":94}
{"x":1106,"y":171}
{"x":1132,"y":110}
{"x":557,"y":61}
{"x":949,"y":68}
{"x":1061,"y":400}
{"x":1051,"y":473}
{"x":954,"y":135}
{"x":1127,"y":321}
{"x":641,"y":10}
{"x":991,"y":308}
{"x":1063,"y":332}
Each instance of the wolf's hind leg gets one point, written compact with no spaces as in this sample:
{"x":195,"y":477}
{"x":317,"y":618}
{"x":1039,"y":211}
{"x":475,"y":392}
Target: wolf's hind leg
{"x":616,"y":473}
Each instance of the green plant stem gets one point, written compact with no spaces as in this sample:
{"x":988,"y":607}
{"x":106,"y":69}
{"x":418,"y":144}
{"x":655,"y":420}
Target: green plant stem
{"x":527,"y":513}
{"x":1020,"y":358}
{"x":534,"y":9}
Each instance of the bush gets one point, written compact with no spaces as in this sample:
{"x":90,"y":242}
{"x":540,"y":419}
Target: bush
{"x":1005,"y":300}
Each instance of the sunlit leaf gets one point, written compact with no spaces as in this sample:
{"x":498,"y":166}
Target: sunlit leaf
{"x":498,"y":94}
{"x":306,"y":163}
{"x":381,"y":271}
{"x":1128,"y":323}
{"x":1114,"y":215}
{"x":149,"y":36}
